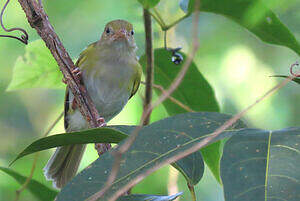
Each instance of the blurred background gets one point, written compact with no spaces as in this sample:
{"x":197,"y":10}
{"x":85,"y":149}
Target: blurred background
{"x":234,"y":61}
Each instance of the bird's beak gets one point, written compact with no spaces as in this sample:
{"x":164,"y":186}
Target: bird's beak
{"x":121,"y":34}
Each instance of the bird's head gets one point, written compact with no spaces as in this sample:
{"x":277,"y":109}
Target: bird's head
{"x":118,"y":34}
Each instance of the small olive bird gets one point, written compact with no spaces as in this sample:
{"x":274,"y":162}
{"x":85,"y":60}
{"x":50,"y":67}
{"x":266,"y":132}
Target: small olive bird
{"x":111,"y":73}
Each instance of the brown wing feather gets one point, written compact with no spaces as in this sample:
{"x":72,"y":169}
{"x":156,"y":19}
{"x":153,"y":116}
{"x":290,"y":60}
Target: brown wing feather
{"x":77,"y":64}
{"x":66,"y":109}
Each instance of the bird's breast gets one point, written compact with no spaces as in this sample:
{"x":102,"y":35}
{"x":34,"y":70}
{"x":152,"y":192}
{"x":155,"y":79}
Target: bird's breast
{"x":109,"y":85}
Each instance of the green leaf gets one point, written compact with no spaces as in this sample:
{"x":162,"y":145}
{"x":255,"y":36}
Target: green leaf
{"x":191,"y":167}
{"x":36,"y":69}
{"x":253,"y":15}
{"x":114,"y":134}
{"x":149,"y":197}
{"x":149,"y":3}
{"x":297,"y":79}
{"x":39,"y":190}
{"x":105,"y":135}
{"x":196,"y":93}
{"x":262,"y":165}
{"x":155,"y":144}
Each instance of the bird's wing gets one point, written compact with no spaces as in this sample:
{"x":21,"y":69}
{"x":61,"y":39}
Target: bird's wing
{"x":66,"y":109}
{"x":137,"y":79}
{"x":84,"y":53}
{"x":81,"y":59}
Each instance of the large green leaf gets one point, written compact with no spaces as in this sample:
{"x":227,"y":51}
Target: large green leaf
{"x":154,"y":145}
{"x":149,"y":197}
{"x":254,"y":15}
{"x":262,"y":165}
{"x":149,"y":3}
{"x":191,"y":168}
{"x":36,"y":69}
{"x":105,"y":135}
{"x":39,"y":190}
{"x":195,"y":92}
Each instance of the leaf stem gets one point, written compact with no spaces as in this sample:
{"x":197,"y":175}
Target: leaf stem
{"x":161,"y":22}
{"x":192,"y":191}
{"x":176,"y":22}
{"x":159,"y":17}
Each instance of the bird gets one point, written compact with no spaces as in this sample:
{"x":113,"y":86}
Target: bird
{"x":111,"y":73}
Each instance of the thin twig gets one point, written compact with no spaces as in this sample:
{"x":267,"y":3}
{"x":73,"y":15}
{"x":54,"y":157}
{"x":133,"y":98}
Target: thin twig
{"x":124,"y":147}
{"x":24,"y":186}
{"x":174,"y":100}
{"x":23,"y":39}
{"x":149,"y":64}
{"x":38,"y":20}
{"x":292,"y":69}
{"x":171,"y":98}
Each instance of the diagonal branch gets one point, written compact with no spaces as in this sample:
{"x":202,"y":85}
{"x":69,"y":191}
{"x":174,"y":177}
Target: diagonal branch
{"x":171,"y":98}
{"x":38,"y":20}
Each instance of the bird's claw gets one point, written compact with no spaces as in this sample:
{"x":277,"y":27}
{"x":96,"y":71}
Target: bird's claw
{"x":102,"y":148}
{"x":74,"y":104}
{"x":64,"y":80}
{"x":101,"y":122}
{"x":77,"y":73}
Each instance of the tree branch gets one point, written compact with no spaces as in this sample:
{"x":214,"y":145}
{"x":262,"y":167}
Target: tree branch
{"x":38,"y":20}
{"x":150,"y":63}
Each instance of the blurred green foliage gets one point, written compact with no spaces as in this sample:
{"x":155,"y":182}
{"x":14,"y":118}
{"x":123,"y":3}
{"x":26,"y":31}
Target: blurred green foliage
{"x":233,"y":60}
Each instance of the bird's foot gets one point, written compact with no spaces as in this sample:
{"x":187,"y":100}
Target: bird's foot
{"x":102,"y":148}
{"x":64,"y":80}
{"x":74,"y":104}
{"x":101,"y":122}
{"x":77,"y":73}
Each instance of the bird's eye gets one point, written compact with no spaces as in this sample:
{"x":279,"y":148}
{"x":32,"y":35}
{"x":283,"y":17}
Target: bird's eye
{"x":132,"y":32}
{"x":107,"y":31}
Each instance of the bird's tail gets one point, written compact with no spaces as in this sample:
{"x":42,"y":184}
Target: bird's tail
{"x":64,"y":164}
